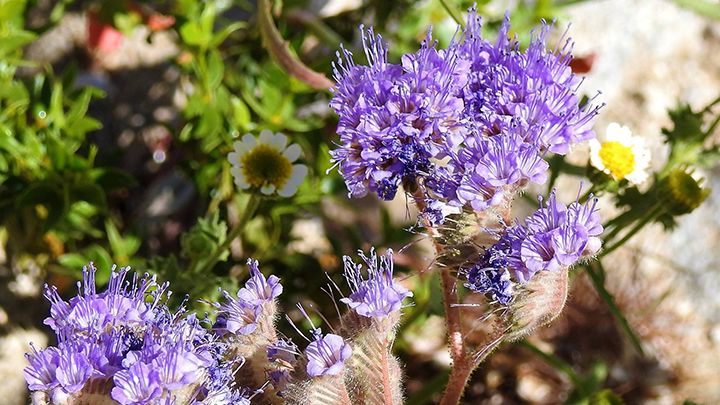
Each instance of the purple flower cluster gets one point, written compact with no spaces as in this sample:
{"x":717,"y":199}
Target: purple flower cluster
{"x":554,"y":237}
{"x":127,"y":335}
{"x":467,"y":125}
{"x":379,"y":294}
{"x":240,"y":316}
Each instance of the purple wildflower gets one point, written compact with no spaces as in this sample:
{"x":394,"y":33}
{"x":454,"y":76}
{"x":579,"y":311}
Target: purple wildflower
{"x":553,"y":237}
{"x":258,"y":289}
{"x":470,"y":125}
{"x":41,"y":374}
{"x":240,"y":316}
{"x":379,"y":294}
{"x":326,"y":355}
{"x":137,"y":385}
{"x":283,"y":351}
{"x":127,"y":335}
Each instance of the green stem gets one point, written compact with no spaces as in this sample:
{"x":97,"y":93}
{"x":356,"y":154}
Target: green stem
{"x":250,"y":208}
{"x":651,"y":215}
{"x":598,"y":282}
{"x":554,"y":361}
{"x":454,"y":13}
{"x":711,"y":129}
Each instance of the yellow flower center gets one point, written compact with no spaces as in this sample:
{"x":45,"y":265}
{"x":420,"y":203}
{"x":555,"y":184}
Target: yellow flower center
{"x":617,"y":159}
{"x":266,"y":165}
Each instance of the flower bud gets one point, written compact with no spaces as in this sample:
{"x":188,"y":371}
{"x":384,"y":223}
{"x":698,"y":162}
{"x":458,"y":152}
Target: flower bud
{"x":680,"y":193}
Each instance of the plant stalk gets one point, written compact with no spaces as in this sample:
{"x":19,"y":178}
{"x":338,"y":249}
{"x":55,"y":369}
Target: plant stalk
{"x":250,"y":208}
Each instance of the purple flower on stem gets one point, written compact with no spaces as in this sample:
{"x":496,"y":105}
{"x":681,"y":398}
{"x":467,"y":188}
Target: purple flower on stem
{"x":326,"y":355}
{"x":41,"y":374}
{"x":258,"y":289}
{"x":379,"y":294}
{"x":127,"y":335}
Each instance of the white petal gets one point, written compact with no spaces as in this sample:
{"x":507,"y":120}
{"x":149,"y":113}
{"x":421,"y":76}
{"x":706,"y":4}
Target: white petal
{"x":298,"y":174}
{"x":267,"y":190}
{"x":249,"y":141}
{"x":279,"y":141}
{"x":287,"y":191}
{"x":234,"y":158}
{"x":239,"y":177}
{"x":241,"y":148}
{"x":637,"y":177}
{"x":266,"y":137}
{"x":292,"y":152}
{"x":241,"y":183}
{"x":595,"y":160}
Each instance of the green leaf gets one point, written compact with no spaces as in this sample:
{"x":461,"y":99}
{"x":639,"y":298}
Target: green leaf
{"x":192,"y":34}
{"x":117,"y":244}
{"x":82,"y":126}
{"x":605,"y":397}
{"x":91,"y":193}
{"x":73,"y":261}
{"x":686,"y":138}
{"x":44,"y":193}
{"x":56,"y":113}
{"x":111,"y":179}
{"x":102,"y":261}
{"x":241,"y":113}
{"x":126,"y":22}
{"x":10,"y":9}
{"x":216,"y":69}
{"x":48,"y":195}
{"x":57,"y":154}
{"x":13,"y":40}
{"x":225,"y":32}
{"x":702,"y":7}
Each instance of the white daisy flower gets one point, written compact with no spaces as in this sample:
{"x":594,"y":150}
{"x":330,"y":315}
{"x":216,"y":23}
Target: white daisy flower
{"x":621,"y":156}
{"x":266,"y":164}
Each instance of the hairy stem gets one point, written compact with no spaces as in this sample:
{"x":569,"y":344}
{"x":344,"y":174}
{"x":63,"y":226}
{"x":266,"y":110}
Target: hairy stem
{"x":452,"y":314}
{"x":387,"y":393}
{"x":461,"y":372}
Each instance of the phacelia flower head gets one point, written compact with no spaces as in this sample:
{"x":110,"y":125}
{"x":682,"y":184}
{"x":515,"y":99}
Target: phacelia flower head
{"x":124,"y":344}
{"x":267,"y":164}
{"x":467,"y":126}
{"x":326,"y":353}
{"x":554,"y":237}
{"x":241,"y":315}
{"x":379,"y":294}
{"x":621,"y":156}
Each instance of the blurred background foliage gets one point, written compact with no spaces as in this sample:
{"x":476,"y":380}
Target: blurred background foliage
{"x":113,"y":145}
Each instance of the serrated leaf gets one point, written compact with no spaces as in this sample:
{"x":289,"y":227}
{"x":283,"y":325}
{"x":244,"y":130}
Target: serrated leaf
{"x":687,"y":126}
